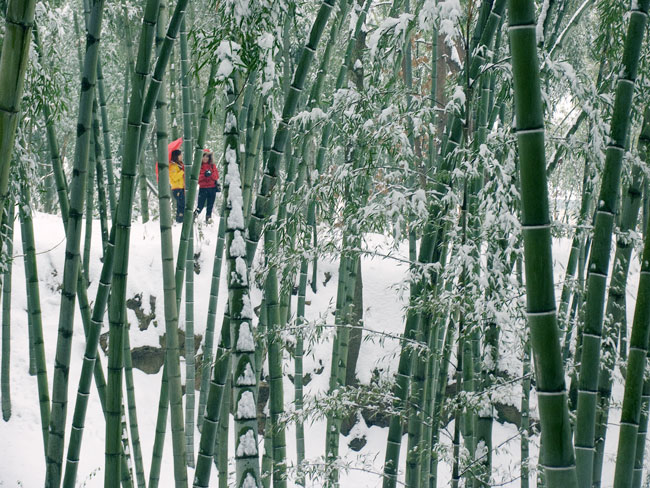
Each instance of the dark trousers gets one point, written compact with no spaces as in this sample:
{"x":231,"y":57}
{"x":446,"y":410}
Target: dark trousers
{"x":206,"y":195}
{"x":179,"y":195}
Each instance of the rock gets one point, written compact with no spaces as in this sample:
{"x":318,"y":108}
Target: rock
{"x":144,"y":319}
{"x":148,"y":359}
{"x":357,"y":443}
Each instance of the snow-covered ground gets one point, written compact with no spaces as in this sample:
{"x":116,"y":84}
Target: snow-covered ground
{"x":21,"y":457}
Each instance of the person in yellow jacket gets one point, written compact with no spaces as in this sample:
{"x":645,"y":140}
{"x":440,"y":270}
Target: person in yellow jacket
{"x":177,"y":182}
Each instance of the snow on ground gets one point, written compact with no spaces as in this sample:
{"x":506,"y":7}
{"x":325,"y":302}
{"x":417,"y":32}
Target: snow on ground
{"x":21,"y":458}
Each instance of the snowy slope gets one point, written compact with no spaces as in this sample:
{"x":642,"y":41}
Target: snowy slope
{"x":21,"y":457}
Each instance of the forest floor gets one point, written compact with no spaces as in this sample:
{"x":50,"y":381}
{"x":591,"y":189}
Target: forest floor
{"x":385,"y":296}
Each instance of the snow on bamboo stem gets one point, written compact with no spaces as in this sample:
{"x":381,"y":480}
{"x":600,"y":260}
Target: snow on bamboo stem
{"x":241,"y":316}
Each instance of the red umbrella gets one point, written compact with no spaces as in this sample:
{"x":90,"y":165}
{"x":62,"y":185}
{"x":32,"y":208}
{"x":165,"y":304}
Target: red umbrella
{"x":171,"y":147}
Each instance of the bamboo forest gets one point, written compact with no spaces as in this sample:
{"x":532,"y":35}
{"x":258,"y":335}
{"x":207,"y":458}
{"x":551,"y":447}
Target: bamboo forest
{"x":324,"y":243}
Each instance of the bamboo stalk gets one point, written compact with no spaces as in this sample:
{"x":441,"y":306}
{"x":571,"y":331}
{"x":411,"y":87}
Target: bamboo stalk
{"x":208,"y":342}
{"x":14,"y":58}
{"x":101,"y":191}
{"x":557,"y":448}
{"x":172,"y":358}
{"x":133,"y":415}
{"x":161,"y":427}
{"x":5,"y":385}
{"x":108,"y":155}
{"x":189,"y":264}
{"x":601,"y":246}
{"x":34,"y":305}
{"x":73,"y":236}
{"x":117,"y":309}
{"x":189,"y":353}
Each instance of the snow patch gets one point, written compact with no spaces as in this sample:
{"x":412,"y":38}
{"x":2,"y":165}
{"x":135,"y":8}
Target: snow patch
{"x":247,"y":445}
{"x":247,"y":378}
{"x":245,"y":341}
{"x":246,"y":406}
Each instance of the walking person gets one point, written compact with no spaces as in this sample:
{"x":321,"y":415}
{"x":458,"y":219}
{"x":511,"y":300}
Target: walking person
{"x":177,"y":182}
{"x":208,"y":185}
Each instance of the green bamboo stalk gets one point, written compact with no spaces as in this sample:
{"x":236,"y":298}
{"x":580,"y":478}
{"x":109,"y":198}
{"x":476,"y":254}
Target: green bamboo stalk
{"x":416,"y":407}
{"x":108,"y":155}
{"x":644,"y":149}
{"x":173,"y":83}
{"x":8,"y":230}
{"x":133,"y":415}
{"x":14,"y":58}
{"x":272,"y":295}
{"x":34,"y":304}
{"x":32,"y":369}
{"x":101,"y":191}
{"x":641,"y":436}
{"x":634,"y":379}
{"x":189,"y":264}
{"x":90,"y":202}
{"x":557,"y":448}
{"x":172,"y":358}
{"x":117,"y":308}
{"x":276,"y":400}
{"x":161,"y":427}
{"x":574,"y":254}
{"x":441,"y":383}
{"x":207,"y":104}
{"x":240,"y":311}
{"x":213,"y":411}
{"x":224,"y":426}
{"x":222,"y":366}
{"x":485,"y":419}
{"x":525,"y":430}
{"x":73,"y":236}
{"x":206,"y":365}
{"x":267,"y":459}
{"x":437,"y":364}
{"x":424,"y":453}
{"x":127,"y":468}
{"x":253,"y":142}
{"x":558,"y":23}
{"x":601,"y":246}
{"x":455,"y":469}
{"x":615,"y":311}
{"x":189,"y":354}
{"x":298,"y":366}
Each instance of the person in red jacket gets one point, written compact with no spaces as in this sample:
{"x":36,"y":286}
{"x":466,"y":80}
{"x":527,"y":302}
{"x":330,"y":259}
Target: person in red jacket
{"x":208,"y":185}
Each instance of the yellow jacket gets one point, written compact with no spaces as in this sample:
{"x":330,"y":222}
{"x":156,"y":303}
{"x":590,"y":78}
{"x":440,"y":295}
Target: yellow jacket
{"x":176,"y":176}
